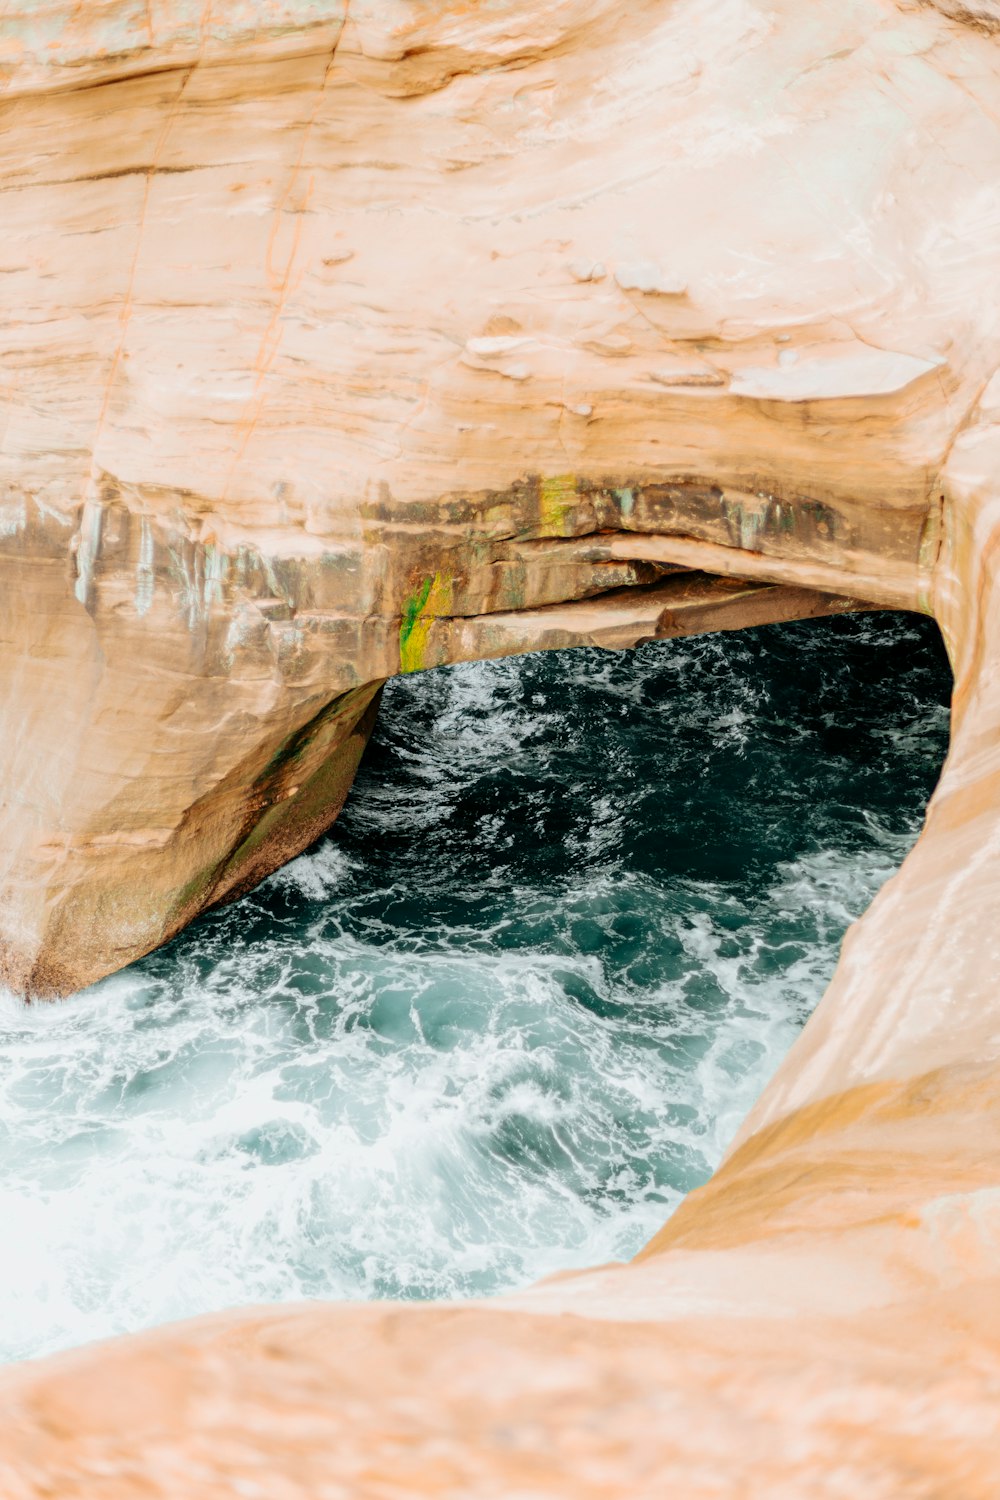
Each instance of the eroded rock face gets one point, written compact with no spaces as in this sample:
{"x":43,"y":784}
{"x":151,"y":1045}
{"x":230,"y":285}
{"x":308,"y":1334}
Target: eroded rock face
{"x":344,"y":343}
{"x":337,"y":347}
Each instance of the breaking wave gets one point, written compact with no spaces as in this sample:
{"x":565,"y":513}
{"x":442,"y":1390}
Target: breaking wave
{"x":503,"y":1017}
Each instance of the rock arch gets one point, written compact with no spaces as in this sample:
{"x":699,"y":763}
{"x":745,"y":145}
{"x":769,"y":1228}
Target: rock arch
{"x":367,"y":337}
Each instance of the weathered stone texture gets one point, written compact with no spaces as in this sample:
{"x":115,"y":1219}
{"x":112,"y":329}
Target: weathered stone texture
{"x":345,"y":340}
{"x":323,"y":326}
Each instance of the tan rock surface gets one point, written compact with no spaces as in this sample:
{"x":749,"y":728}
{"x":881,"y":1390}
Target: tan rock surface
{"x":334,"y":350}
{"x":319,"y":334}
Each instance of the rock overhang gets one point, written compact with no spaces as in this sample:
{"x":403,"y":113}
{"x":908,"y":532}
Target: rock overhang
{"x":353,"y":340}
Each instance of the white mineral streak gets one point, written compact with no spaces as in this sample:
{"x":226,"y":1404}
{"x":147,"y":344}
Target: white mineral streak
{"x":88,"y":547}
{"x":13,"y":518}
{"x":145,"y":581}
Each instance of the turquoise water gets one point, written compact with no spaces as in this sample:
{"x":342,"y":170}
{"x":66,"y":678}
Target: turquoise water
{"x":498,"y":1022}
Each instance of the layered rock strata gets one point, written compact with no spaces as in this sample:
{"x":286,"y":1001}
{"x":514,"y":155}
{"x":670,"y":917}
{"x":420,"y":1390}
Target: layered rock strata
{"x":345,"y":341}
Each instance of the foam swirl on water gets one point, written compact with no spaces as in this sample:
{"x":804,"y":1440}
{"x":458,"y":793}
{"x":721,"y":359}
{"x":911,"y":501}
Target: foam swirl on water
{"x":503,"y":1018}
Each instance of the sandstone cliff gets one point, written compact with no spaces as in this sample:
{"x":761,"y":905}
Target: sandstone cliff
{"x":346,"y":340}
{"x":342,"y":345}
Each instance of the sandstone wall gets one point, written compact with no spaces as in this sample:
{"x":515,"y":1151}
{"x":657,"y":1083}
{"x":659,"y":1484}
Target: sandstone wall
{"x":343,"y":341}
{"x":334,"y":347}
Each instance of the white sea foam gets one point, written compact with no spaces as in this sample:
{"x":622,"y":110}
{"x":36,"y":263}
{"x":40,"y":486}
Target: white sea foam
{"x":497,"y":1027}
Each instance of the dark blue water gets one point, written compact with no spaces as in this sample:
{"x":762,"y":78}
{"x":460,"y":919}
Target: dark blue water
{"x":504,"y":1017}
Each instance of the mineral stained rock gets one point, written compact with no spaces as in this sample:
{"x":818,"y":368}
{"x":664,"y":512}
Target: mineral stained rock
{"x":338,"y":343}
{"x":346,"y":340}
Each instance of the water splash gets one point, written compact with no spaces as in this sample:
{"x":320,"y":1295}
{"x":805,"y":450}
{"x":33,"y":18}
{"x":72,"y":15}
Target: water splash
{"x":503,"y":1018}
